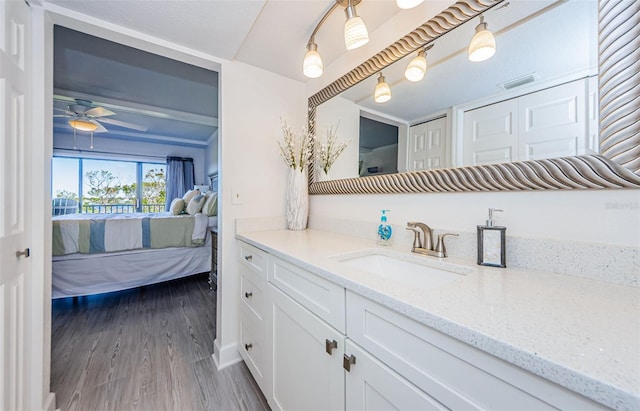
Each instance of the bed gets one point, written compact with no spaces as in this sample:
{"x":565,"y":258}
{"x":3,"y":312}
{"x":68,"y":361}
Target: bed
{"x":97,"y":253}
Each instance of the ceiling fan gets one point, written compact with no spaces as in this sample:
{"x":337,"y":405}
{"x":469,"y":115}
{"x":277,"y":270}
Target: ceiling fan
{"x":84,"y":115}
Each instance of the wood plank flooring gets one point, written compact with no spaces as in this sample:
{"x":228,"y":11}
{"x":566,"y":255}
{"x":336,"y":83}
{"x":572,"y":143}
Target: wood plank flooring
{"x":145,"y":349}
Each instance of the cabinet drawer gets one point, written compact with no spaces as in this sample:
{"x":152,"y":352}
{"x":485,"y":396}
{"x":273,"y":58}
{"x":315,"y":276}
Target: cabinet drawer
{"x":253,"y":346}
{"x":252,"y":293}
{"x":323,"y":298}
{"x":456,"y":374}
{"x":253,"y":258}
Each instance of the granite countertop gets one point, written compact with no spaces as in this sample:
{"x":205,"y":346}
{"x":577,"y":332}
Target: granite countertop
{"x":580,"y":333}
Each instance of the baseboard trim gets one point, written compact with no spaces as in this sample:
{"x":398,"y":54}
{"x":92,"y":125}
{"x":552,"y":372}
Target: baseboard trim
{"x":50,"y":402}
{"x":225,"y":356}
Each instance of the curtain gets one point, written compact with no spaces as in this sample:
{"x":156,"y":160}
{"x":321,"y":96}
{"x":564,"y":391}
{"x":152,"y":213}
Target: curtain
{"x":180,"y":178}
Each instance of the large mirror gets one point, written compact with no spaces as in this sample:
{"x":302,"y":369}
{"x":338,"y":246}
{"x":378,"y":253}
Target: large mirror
{"x":490,"y":125}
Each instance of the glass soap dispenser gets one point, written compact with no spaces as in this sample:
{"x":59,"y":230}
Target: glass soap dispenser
{"x":491,"y":243}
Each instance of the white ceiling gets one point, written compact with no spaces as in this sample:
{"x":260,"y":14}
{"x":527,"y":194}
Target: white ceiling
{"x":271,"y":34}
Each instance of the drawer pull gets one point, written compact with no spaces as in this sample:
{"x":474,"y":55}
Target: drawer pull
{"x":26,"y":253}
{"x":330,"y":346}
{"x":248,"y":257}
{"x":247,"y":347}
{"x":348,"y":361}
{"x":248,"y":295}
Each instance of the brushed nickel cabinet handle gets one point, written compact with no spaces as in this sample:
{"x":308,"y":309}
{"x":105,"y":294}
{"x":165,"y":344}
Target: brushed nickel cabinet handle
{"x":247,"y":347}
{"x":329,"y":346}
{"x":348,"y":361}
{"x":248,"y":257}
{"x":248,"y":295}
{"x":26,"y":253}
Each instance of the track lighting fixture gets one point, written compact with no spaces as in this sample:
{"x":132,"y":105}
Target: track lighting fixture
{"x":382,"y":92}
{"x":312,"y":64}
{"x":417,"y":67}
{"x":483,"y":43}
{"x":355,"y":31}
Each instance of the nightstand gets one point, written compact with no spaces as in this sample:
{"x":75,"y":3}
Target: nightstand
{"x":213,"y":274}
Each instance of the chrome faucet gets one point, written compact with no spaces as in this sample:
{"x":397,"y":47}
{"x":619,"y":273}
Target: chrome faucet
{"x":426,"y":247}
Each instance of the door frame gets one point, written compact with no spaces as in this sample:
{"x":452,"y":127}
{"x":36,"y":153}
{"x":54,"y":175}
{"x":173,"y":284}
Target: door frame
{"x":44,"y":17}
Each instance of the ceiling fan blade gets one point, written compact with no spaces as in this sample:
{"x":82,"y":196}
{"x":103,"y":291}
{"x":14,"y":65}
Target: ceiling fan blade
{"x":62,"y":115}
{"x":100,"y":128}
{"x":98,"y":112}
{"x":123,"y":124}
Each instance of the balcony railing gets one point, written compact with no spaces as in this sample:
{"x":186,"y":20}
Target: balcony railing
{"x":60,"y":207}
{"x":120,"y":208}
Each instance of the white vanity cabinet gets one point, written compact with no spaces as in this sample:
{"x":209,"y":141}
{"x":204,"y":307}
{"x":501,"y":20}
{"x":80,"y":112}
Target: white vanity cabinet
{"x":307,"y":334}
{"x":312,"y":345}
{"x":450,"y":372}
{"x":254,"y":345}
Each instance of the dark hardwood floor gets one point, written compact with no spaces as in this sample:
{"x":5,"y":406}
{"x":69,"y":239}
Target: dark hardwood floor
{"x":145,"y":349}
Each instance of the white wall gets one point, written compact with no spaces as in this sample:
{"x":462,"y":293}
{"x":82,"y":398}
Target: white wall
{"x":347,"y":113}
{"x":211,"y":159}
{"x":253,"y":101}
{"x":595,"y":216}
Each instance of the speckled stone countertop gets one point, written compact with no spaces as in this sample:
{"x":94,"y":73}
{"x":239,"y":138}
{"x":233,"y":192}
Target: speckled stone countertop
{"x":580,"y":333}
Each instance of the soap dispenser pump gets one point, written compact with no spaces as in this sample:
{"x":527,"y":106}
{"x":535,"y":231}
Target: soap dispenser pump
{"x":491,"y":243}
{"x":384,"y":230}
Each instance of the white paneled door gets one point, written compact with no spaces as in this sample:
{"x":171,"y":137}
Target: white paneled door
{"x":14,"y":199}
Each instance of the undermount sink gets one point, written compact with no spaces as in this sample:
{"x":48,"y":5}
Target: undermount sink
{"x":415,"y":271}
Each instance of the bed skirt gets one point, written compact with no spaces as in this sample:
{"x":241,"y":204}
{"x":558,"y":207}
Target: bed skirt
{"x":86,"y":274}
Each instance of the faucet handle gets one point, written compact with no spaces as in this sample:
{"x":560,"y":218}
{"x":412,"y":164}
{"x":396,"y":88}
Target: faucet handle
{"x":417,"y":241}
{"x":440,"y":248}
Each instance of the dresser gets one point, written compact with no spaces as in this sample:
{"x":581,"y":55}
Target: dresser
{"x":213,"y":274}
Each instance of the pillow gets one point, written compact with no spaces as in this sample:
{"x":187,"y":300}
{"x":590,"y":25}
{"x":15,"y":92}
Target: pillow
{"x":189,"y":195}
{"x":210,"y":207}
{"x":177,"y":206}
{"x":195,"y":205}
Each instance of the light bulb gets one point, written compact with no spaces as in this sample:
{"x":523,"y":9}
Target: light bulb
{"x":82,"y":125}
{"x":483,"y":43}
{"x":312,"y":64}
{"x":355,"y":32}
{"x":417,"y":67}
{"x":408,"y":4}
{"x":382,"y":92}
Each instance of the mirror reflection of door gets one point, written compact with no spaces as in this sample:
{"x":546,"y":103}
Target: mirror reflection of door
{"x":378,"y":150}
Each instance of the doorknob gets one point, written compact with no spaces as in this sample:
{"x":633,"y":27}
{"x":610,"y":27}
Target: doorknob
{"x":26,"y":253}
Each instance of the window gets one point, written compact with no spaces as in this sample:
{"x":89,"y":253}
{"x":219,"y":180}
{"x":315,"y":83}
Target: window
{"x":107,"y":186}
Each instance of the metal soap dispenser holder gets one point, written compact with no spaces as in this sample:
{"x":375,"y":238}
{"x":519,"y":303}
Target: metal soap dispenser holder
{"x":491,"y":243}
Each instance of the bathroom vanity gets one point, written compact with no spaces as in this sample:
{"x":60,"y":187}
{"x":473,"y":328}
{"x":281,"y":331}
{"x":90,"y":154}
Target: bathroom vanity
{"x":321,"y":329}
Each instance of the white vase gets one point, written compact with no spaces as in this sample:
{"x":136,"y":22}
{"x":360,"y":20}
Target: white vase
{"x":297,"y":199}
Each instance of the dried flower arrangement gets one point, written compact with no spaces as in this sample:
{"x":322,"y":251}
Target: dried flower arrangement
{"x":296,"y":152}
{"x":328,"y":153}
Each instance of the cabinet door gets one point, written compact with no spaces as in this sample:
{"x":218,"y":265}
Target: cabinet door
{"x":371,"y":385}
{"x":305,"y":375}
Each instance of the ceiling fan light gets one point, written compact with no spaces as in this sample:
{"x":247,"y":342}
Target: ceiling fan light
{"x":83,"y":125}
{"x":312,"y":65}
{"x":355,"y":31}
{"x":382,"y":92}
{"x":483,"y":43}
{"x":408,"y":4}
{"x":417,"y":67}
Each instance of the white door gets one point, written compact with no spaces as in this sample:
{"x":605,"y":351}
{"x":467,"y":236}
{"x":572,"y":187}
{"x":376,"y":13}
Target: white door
{"x":307,"y":366}
{"x":14,"y":200}
{"x":490,"y":134}
{"x":428,"y":145}
{"x":553,"y":122}
{"x":372,"y":386}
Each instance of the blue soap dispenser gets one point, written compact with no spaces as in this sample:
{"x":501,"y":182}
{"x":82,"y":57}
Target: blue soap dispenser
{"x":384,"y":230}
